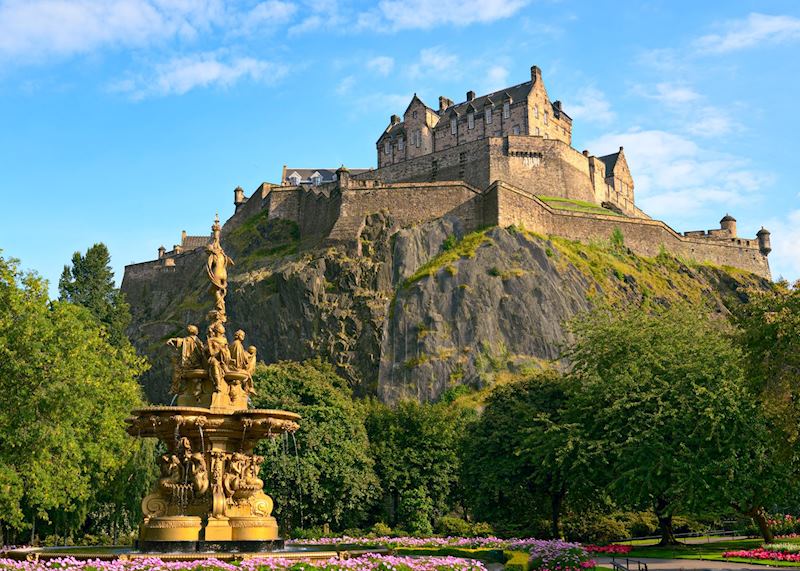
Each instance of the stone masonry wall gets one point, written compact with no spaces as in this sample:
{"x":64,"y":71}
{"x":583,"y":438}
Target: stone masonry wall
{"x":408,"y":204}
{"x":644,"y":237}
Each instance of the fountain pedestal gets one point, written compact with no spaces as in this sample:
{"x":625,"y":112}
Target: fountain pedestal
{"x":209,"y":494}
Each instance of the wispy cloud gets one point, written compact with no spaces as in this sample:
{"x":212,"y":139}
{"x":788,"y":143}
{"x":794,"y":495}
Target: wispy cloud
{"x":674,"y":174}
{"x":382,"y":65}
{"x":183,"y":74}
{"x":590,"y":105}
{"x":36,"y":29}
{"x":754,"y":30}
{"x":785,"y":257}
{"x":267,"y":15}
{"x":427,"y":14}
{"x":432,"y":61}
{"x":496,"y":78}
{"x":668,"y":93}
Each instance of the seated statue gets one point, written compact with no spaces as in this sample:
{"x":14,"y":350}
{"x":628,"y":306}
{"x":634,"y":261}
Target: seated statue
{"x":190,"y":356}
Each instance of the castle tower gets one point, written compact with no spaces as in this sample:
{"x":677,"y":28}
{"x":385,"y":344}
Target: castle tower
{"x":763,"y":241}
{"x":161,"y":251}
{"x":728,"y":223}
{"x":238,"y":196}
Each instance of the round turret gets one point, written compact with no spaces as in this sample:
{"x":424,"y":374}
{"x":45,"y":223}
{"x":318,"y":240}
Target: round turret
{"x":728,"y":223}
{"x":763,"y":241}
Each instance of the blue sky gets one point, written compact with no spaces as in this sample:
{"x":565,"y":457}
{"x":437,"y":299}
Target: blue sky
{"x":127,"y":121}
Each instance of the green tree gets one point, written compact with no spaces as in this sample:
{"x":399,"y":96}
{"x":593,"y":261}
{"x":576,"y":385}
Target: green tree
{"x":665,"y":414}
{"x":89,"y":282}
{"x":66,"y":393}
{"x":521,"y":453}
{"x":769,"y":333}
{"x":416,"y":446}
{"x":328,"y":478}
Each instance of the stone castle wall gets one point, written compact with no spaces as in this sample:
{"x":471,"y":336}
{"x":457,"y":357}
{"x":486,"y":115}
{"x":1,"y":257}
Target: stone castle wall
{"x":644,"y":237}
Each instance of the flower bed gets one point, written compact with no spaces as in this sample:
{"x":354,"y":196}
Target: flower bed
{"x":393,"y":542}
{"x":362,"y":563}
{"x":612,"y":549}
{"x":764,"y":554}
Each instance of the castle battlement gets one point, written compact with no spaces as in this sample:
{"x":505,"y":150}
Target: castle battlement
{"x":504,"y":159}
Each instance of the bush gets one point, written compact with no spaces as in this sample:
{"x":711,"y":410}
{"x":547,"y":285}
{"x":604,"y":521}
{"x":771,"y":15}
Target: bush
{"x":482,"y":529}
{"x":453,"y":526}
{"x":595,"y":528}
{"x":416,"y":511}
{"x":380,"y":529}
{"x":639,"y":524}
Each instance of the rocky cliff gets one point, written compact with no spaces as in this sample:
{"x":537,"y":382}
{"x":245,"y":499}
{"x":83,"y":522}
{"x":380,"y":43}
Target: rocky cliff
{"x":411,"y":312}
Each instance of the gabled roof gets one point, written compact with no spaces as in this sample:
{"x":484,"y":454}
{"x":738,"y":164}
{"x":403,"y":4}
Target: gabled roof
{"x":192,"y":242}
{"x":515,"y":92}
{"x":610,"y":161}
{"x":328,"y":175}
{"x":417,"y":99}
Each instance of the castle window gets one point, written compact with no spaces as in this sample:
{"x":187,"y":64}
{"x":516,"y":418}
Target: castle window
{"x":401,"y":144}
{"x":414,"y":114}
{"x":515,"y":130}
{"x":546,"y":136}
{"x":545,"y":117}
{"x":488,"y":113}
{"x":471,"y":120}
{"x":418,"y":138}
{"x":316,"y":178}
{"x":387,"y":147}
{"x":536,"y":111}
{"x":453,"y":125}
{"x":506,"y":110}
{"x":537,"y":131}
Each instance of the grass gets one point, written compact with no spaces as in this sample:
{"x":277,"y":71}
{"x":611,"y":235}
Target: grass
{"x":451,"y":253}
{"x":706,"y":551}
{"x":576,"y":205}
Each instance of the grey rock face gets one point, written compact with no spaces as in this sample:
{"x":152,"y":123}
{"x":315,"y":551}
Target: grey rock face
{"x":476,"y":311}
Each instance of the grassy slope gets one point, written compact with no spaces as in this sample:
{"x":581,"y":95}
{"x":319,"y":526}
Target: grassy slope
{"x":575,"y":205}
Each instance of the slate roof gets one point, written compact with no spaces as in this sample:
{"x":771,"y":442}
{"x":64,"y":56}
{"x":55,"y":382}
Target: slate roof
{"x":610,"y":161}
{"x":192,"y":242}
{"x":516,"y":92}
{"x":328,"y":175}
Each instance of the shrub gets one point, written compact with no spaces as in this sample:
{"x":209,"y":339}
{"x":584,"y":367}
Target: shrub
{"x":381,"y":529}
{"x":595,"y":528}
{"x":416,"y":511}
{"x":453,"y":526}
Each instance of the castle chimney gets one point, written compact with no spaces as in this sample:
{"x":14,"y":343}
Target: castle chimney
{"x":394,"y":119}
{"x":536,"y":74}
{"x":728,"y":223}
{"x":444,"y":102}
{"x":183,"y":237}
{"x":470,"y":95}
{"x":763,"y":241}
{"x":557,"y":106}
{"x":178,"y":248}
{"x":161,"y":251}
{"x":585,"y":152}
{"x":238,"y":196}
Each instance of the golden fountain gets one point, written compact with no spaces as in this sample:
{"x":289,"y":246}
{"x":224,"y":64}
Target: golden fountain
{"x":209,"y":496}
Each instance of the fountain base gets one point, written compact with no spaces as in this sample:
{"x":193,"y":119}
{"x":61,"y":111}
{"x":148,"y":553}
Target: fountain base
{"x":257,"y":546}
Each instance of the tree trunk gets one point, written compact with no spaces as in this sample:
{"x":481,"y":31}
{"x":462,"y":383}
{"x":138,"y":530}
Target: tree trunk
{"x":33,"y":530}
{"x":556,"y":501}
{"x":758,"y":515}
{"x":665,"y":523}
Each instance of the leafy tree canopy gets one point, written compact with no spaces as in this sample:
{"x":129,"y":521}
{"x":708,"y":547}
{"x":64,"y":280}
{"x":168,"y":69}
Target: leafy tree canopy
{"x":663,"y":406}
{"x":329,"y":477}
{"x":89,"y":282}
{"x":66,"y":392}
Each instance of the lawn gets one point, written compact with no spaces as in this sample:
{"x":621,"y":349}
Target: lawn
{"x":575,"y":205}
{"x":710,"y":551}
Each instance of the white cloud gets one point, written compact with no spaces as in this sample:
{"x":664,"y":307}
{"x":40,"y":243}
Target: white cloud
{"x":711,"y":121}
{"x":668,"y":93}
{"x":496,"y":78}
{"x":345,"y":86}
{"x":183,"y":74}
{"x":432,"y":61}
{"x":673,"y":174}
{"x":785,"y":238}
{"x":269,"y":15}
{"x":381,"y":65}
{"x":754,"y":30}
{"x":35,"y":29}
{"x":590,"y":105}
{"x":426,"y":14}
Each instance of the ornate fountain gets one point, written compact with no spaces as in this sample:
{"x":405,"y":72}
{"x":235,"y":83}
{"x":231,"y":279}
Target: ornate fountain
{"x":209,"y":496}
